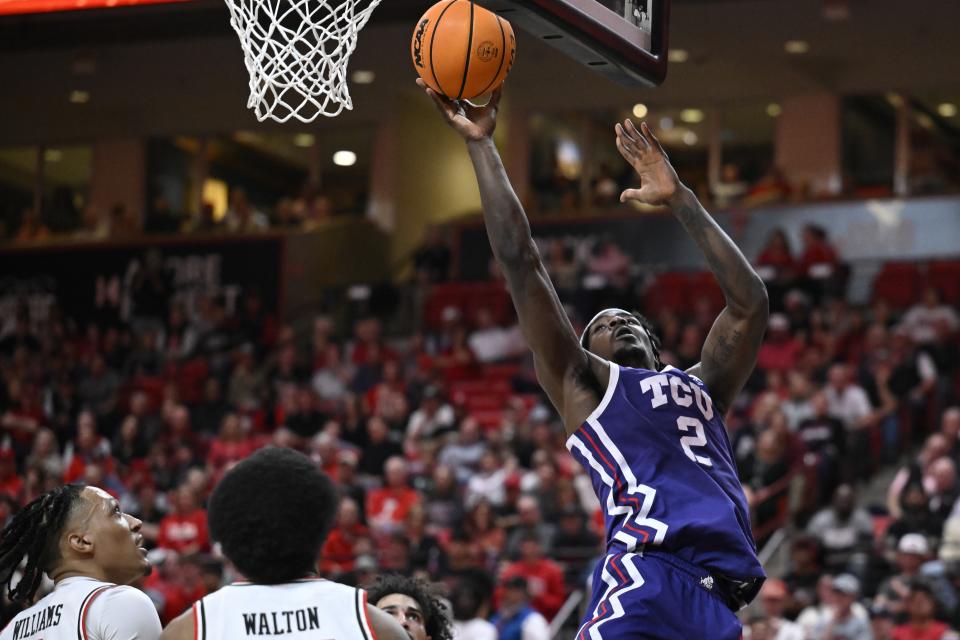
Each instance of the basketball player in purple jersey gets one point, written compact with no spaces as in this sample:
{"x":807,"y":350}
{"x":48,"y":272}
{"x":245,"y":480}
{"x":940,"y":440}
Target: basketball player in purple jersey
{"x":680,"y":559}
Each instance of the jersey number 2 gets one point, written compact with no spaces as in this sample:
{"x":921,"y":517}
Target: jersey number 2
{"x":699,"y":439}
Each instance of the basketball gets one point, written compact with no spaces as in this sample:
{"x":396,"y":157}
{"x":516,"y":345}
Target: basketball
{"x":461,"y":50}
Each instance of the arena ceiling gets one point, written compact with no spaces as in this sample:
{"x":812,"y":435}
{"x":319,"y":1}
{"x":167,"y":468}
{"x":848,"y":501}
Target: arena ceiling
{"x":150,"y":62}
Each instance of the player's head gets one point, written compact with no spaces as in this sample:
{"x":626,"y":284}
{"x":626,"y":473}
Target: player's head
{"x":271,"y":514}
{"x":415,"y":605}
{"x":624,"y":338}
{"x":75,"y":529}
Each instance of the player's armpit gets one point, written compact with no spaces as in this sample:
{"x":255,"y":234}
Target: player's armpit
{"x":181,"y":628}
{"x":385,"y":626}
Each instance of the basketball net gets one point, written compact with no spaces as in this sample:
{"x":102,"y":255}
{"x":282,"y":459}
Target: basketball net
{"x":296,"y":52}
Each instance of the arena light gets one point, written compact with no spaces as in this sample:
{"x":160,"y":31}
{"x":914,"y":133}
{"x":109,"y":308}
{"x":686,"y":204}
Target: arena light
{"x":947,"y":109}
{"x":691,"y":116}
{"x":78,"y":96}
{"x":344,"y":158}
{"x":666,"y":123}
{"x":303,"y":140}
{"x":796,"y":47}
{"x":640,"y":110}
{"x":363,"y":76}
{"x":774,"y":110}
{"x":690,"y":138}
{"x":678,"y":55}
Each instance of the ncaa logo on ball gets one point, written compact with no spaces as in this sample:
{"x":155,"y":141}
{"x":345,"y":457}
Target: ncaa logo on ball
{"x":487,"y":51}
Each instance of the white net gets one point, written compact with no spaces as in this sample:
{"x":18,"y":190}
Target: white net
{"x":296,"y":52}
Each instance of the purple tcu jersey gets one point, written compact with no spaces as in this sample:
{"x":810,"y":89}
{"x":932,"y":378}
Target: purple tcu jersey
{"x":660,"y":460}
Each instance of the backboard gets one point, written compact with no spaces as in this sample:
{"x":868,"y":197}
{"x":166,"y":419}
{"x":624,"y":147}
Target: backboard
{"x":625,"y":40}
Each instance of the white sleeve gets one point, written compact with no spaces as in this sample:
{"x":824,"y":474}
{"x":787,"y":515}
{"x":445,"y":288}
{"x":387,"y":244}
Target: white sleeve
{"x":535,"y":627}
{"x":123,"y":613}
{"x":926,"y":366}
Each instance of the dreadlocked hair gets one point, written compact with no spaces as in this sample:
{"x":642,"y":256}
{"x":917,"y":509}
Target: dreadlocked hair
{"x":34,"y":534}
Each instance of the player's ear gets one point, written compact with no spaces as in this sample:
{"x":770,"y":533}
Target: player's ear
{"x":80,"y":542}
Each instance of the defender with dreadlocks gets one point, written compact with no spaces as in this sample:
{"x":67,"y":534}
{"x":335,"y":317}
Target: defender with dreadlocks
{"x":680,"y":553}
{"x":81,"y":539}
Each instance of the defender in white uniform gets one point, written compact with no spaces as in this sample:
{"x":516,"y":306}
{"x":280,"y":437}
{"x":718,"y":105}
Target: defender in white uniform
{"x":271,"y":514}
{"x":90,"y":549}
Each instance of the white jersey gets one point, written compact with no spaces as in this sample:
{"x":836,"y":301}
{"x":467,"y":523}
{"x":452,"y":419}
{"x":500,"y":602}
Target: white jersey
{"x":86,"y":609}
{"x":309,"y":608}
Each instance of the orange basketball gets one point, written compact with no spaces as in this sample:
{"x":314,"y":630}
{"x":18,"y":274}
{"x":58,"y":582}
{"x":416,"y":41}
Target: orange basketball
{"x":461,"y":50}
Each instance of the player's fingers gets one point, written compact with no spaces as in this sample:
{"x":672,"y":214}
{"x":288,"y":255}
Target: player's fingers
{"x":635,"y":133}
{"x":625,"y":132}
{"x":648,"y":132}
{"x":495,"y":98}
{"x":628,"y":154}
{"x":630,"y":194}
{"x":446,"y":107}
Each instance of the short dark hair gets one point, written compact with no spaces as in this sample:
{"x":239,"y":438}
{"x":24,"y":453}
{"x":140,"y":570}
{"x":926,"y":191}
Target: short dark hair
{"x":647,"y":326}
{"x":271,"y":514}
{"x":34,"y":533}
{"x":436,"y":620}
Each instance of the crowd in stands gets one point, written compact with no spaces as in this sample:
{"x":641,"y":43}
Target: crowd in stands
{"x":452,"y":465}
{"x":61,"y":219}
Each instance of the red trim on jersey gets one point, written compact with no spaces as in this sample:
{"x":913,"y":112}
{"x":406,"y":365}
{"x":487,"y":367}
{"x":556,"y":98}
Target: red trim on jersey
{"x":86,"y":608}
{"x":196,"y":620}
{"x":366,"y":617}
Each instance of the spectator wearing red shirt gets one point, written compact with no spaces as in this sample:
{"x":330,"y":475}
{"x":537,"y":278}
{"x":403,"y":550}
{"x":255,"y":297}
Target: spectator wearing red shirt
{"x":921,"y":605}
{"x":387,"y":507}
{"x":185,"y":529}
{"x":10,"y":483}
{"x":86,"y":449}
{"x":819,"y":261}
{"x":230,"y":446}
{"x":777,"y":266}
{"x":780,"y":351}
{"x":348,"y":539}
{"x":544,"y":576}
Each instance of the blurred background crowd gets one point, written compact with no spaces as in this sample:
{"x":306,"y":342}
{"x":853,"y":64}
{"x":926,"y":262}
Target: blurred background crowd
{"x":452,"y":464}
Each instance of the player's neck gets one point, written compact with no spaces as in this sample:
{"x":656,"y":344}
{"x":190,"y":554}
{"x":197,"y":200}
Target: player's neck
{"x":78,"y":569}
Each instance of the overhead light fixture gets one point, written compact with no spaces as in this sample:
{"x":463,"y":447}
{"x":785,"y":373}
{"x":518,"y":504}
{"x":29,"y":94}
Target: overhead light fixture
{"x":925,"y":121}
{"x":303,"y":140}
{"x":796,"y":47}
{"x":640,"y":110}
{"x":678,"y":55}
{"x":78,"y":96}
{"x":52,"y":155}
{"x":774,"y":110}
{"x":344,"y":158}
{"x":691,"y":116}
{"x":363,"y":76}
{"x":947,"y":109}
{"x":690,"y":138}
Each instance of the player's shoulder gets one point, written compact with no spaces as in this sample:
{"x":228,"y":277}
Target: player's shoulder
{"x":113,"y":598}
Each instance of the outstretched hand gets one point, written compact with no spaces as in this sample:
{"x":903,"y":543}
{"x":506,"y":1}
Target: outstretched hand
{"x":658,"y":179}
{"x":470,"y":121}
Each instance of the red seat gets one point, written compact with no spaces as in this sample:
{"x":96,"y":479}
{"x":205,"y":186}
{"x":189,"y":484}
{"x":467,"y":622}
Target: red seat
{"x":944,"y":275}
{"x":898,"y":283}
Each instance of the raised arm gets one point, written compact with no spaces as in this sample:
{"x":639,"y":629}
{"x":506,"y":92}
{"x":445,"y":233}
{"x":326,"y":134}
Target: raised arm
{"x":730,"y":350}
{"x":563,"y":366}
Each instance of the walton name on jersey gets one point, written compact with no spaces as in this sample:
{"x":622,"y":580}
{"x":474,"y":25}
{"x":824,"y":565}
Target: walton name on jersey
{"x":277,"y":623}
{"x":39,"y":621}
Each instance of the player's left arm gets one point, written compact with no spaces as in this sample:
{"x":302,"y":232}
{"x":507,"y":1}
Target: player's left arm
{"x":730,"y":350}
